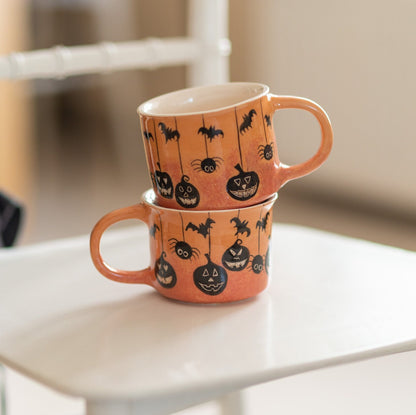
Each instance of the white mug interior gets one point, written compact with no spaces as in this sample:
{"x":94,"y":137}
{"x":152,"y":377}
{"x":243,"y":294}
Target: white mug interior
{"x":203,"y":99}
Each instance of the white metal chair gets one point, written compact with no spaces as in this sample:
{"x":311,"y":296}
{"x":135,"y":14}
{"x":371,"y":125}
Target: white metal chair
{"x":205,"y":51}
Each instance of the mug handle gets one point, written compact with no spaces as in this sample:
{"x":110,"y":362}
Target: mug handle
{"x":139,"y":211}
{"x":308,"y":166}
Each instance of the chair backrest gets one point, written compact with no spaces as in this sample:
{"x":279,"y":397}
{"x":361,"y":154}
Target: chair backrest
{"x":205,"y":51}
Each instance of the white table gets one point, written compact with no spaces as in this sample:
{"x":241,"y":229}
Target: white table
{"x":126,"y":349}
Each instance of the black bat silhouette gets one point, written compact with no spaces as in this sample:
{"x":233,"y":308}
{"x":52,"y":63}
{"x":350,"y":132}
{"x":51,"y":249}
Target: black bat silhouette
{"x":241,"y":226}
{"x":247,"y":121}
{"x":168,"y":132}
{"x":202,"y":228}
{"x":148,"y":136}
{"x":210,"y":132}
{"x":268,"y":120}
{"x":263,"y":222}
{"x":153,"y":229}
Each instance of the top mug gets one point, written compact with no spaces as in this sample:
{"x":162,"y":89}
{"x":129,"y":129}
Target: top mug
{"x":213,"y":147}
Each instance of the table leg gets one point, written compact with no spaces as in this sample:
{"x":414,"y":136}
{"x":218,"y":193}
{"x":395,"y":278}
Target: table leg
{"x":3,"y":403}
{"x":109,"y":408}
{"x":232,"y":404}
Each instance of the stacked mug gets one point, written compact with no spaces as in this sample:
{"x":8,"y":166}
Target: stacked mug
{"x":214,"y":166}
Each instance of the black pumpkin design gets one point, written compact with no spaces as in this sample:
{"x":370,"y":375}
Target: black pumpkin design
{"x":163,"y":183}
{"x":165,"y":274}
{"x":244,"y":185}
{"x":236,"y":257}
{"x":257,"y":264}
{"x":210,"y":278}
{"x":186,"y":193}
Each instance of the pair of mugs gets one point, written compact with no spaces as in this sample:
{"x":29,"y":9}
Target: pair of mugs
{"x":215,"y":171}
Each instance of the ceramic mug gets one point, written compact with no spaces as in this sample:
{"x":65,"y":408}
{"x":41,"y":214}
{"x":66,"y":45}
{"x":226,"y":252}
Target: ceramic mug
{"x":197,"y":256}
{"x":213,"y":147}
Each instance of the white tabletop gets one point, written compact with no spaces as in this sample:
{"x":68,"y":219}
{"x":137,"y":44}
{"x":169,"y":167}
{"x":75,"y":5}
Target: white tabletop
{"x":332,"y":300}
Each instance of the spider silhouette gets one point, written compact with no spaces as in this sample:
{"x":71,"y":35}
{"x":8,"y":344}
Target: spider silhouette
{"x":265,"y":152}
{"x":256,"y":263}
{"x":207,"y":165}
{"x":182,"y":249}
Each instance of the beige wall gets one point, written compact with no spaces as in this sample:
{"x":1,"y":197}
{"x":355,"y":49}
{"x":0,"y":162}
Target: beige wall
{"x":357,"y":60}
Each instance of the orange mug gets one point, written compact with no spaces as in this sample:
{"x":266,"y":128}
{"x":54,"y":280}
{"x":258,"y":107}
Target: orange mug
{"x":213,"y":147}
{"x":197,"y":256}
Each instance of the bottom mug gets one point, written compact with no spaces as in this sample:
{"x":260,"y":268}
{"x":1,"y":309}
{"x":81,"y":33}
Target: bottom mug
{"x":197,"y":256}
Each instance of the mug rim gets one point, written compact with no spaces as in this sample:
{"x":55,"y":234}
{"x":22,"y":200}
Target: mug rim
{"x":149,"y":198}
{"x":145,"y":107}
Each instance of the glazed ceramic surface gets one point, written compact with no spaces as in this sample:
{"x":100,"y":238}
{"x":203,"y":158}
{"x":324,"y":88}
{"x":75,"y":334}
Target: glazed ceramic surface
{"x":214,"y":147}
{"x":197,"y":256}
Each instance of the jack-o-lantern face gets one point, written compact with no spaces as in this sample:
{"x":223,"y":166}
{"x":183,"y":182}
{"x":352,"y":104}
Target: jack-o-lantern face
{"x":211,"y":278}
{"x":257,"y":264}
{"x":236,"y":257}
{"x":244,"y":185}
{"x":186,"y":193}
{"x":165,"y":274}
{"x":163,"y":183}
